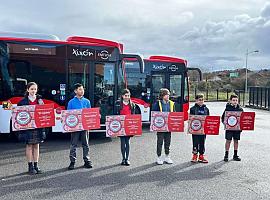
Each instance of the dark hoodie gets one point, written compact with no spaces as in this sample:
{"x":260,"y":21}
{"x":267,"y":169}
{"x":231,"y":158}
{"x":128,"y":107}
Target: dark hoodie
{"x":199,"y":110}
{"x":230,"y":107}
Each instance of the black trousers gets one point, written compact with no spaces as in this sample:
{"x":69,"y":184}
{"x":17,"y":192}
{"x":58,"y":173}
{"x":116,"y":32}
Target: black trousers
{"x":166,"y":137}
{"x":198,"y":143}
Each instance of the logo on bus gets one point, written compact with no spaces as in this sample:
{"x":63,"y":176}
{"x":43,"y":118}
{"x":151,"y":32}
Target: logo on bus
{"x":104,"y":55}
{"x":85,"y":53}
{"x":72,"y":121}
{"x":23,"y":118}
{"x":173,"y":68}
{"x":159,"y":67}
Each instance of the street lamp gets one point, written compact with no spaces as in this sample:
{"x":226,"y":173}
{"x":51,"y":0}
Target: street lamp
{"x":246,"y":83}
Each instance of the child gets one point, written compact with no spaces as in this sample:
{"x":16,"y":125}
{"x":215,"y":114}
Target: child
{"x":229,"y":134}
{"x":32,"y":137}
{"x":125,"y":107}
{"x":199,"y":140}
{"x":164,"y":105}
{"x":79,"y":102}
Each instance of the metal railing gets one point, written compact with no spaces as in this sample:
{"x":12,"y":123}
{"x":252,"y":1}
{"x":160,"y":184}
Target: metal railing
{"x":259,"y":97}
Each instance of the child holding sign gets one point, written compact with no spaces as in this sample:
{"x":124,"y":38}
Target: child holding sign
{"x":199,"y":140}
{"x":164,"y":105}
{"x":32,"y":137}
{"x":229,"y":134}
{"x":79,"y":102}
{"x":125,"y":107}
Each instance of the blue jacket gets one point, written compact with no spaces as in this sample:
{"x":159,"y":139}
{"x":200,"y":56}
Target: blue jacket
{"x":77,"y":103}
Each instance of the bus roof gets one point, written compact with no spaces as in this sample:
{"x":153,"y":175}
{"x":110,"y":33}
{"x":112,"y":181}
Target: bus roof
{"x":70,"y":40}
{"x":166,"y":59}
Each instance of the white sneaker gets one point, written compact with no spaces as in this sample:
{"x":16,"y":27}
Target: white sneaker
{"x":168,"y":160}
{"x":159,"y":160}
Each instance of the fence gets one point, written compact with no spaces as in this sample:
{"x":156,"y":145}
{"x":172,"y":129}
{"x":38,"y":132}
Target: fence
{"x":259,"y":97}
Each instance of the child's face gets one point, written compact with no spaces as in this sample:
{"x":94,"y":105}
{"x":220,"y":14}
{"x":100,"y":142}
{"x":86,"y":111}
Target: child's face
{"x":126,"y":97}
{"x":79,"y":91}
{"x":234,"y":101}
{"x":200,"y":101}
{"x":32,"y":90}
{"x":166,"y":97}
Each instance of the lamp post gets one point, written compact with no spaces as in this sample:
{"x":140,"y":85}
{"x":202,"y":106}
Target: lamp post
{"x":246,"y":80}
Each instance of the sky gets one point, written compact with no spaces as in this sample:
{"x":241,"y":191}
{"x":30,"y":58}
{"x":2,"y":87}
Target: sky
{"x":212,"y":35}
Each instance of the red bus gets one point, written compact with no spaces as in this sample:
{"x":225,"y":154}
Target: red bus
{"x":56,"y":66}
{"x":159,"y":72}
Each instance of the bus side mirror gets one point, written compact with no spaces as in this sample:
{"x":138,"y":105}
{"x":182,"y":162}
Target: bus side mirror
{"x":134,"y":57}
{"x":196,"y":69}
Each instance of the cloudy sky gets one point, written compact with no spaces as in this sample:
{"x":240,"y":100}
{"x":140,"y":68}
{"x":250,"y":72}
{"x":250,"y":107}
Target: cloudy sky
{"x":208,"y":33}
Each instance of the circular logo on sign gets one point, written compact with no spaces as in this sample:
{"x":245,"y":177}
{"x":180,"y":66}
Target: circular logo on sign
{"x":232,"y":120}
{"x":115,"y":126}
{"x":72,"y":120}
{"x":159,"y":121}
{"x":196,"y":125}
{"x":23,"y":118}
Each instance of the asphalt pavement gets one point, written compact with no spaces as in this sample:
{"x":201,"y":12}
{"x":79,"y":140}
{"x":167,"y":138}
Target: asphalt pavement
{"x":248,"y":179}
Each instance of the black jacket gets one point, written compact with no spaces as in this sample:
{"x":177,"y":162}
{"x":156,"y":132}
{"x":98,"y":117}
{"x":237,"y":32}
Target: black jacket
{"x":230,"y":107}
{"x":25,"y":101}
{"x":133,"y":107}
{"x":194,"y":110}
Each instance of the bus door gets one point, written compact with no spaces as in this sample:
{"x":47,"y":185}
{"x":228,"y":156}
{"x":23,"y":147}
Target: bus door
{"x":104,"y":88}
{"x":78,"y":72}
{"x":158,"y":81}
{"x":173,"y":82}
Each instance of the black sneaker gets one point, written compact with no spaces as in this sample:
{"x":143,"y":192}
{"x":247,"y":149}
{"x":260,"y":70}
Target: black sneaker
{"x":226,"y":159}
{"x":123,"y":162}
{"x":88,"y":164}
{"x":71,"y":166}
{"x":127,"y":163}
{"x":236,"y":158}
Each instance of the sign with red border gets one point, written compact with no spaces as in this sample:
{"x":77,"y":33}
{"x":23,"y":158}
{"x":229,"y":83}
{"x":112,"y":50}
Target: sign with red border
{"x":80,"y":119}
{"x":33,"y":116}
{"x":167,"y":121}
{"x":203,"y":125}
{"x":123,"y":125}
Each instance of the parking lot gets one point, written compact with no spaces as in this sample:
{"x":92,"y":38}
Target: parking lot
{"x":248,"y":179}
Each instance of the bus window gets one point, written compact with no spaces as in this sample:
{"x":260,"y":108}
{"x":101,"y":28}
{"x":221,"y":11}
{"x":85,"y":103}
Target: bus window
{"x":136,"y":81}
{"x":158,"y":82}
{"x":104,"y":83}
{"x":175,"y":85}
{"x":78,"y":72}
{"x":186,"y":90}
{"x":19,"y":74}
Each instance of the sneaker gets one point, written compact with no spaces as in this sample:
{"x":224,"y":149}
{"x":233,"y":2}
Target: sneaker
{"x":202,"y":159}
{"x":226,"y":159}
{"x":194,"y":158}
{"x":159,"y":161}
{"x":71,"y":166}
{"x":123,"y":162}
{"x":236,"y":158}
{"x":127,"y":163}
{"x":168,"y":160}
{"x":88,"y":164}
